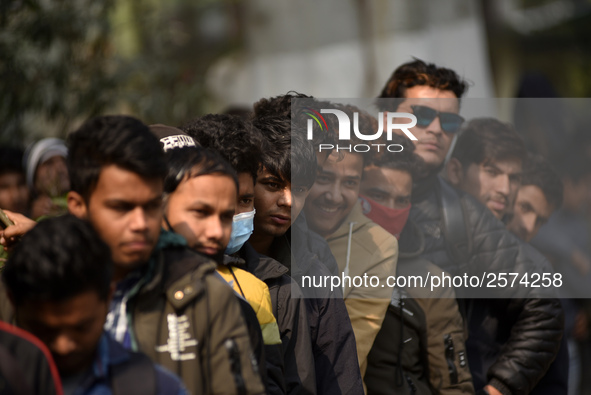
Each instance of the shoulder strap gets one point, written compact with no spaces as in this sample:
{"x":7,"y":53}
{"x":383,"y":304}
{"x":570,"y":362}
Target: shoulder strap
{"x":136,"y":376}
{"x":458,"y":242}
{"x":12,"y":379}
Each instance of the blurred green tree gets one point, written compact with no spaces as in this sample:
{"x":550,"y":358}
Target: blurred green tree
{"x":54,"y":57}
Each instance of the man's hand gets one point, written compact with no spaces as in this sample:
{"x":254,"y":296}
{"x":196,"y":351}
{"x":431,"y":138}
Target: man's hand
{"x":581,"y":262}
{"x":9,"y":236}
{"x":492,"y":390}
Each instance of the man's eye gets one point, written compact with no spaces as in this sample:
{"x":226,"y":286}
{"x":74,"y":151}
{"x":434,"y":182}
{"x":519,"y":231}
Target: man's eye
{"x":245,"y":201}
{"x":491,"y":171}
{"x":300,"y":190}
{"x":199,"y":212}
{"x":403,"y":201}
{"x":378,"y":197}
{"x":322,"y":179}
{"x":351,"y":183}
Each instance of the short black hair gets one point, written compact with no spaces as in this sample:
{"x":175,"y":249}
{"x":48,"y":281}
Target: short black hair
{"x":189,"y":162}
{"x":112,"y":140}
{"x":230,"y":136}
{"x":278,"y":105}
{"x":289,"y":155}
{"x":417,"y":73}
{"x":406,"y":160}
{"x":60,"y":258}
{"x":484,"y":140}
{"x":11,"y":160}
{"x":538,"y":171}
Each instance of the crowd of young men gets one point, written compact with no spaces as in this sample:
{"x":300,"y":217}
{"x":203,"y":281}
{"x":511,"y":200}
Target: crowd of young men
{"x":180,"y":267}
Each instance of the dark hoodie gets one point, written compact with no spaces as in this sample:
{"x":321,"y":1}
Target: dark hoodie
{"x":291,"y":314}
{"x":333,"y":342}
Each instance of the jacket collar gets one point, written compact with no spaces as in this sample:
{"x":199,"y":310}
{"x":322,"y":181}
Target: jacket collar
{"x":262,"y":266}
{"x":177,"y":270}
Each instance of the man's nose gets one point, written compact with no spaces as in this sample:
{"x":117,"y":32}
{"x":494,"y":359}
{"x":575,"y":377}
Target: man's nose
{"x":529,"y":223}
{"x":334,"y":194}
{"x":138,"y":219}
{"x":286,"y":198}
{"x":435,"y":126}
{"x":63,"y":345}
{"x":214,"y":229}
{"x":503,"y":184}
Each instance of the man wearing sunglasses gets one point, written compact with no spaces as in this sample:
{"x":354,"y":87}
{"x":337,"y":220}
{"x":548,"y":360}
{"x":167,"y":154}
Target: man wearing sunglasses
{"x":432,"y":94}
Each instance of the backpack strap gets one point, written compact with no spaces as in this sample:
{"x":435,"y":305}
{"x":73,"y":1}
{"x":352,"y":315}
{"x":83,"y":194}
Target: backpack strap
{"x":12,"y":378}
{"x":458,"y":242}
{"x":136,"y":376}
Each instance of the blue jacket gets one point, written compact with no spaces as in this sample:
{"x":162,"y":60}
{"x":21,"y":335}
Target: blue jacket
{"x":110,"y":354}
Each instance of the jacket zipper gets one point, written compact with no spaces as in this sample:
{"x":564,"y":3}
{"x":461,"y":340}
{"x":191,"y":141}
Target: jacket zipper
{"x":450,"y":357}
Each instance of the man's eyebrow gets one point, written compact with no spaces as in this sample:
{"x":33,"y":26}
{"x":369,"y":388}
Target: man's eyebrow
{"x":377,"y":189}
{"x":247,"y":195}
{"x":272,"y":178}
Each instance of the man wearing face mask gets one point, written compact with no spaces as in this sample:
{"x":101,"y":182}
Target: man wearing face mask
{"x":200,"y":205}
{"x":412,"y":351}
{"x":240,"y":144}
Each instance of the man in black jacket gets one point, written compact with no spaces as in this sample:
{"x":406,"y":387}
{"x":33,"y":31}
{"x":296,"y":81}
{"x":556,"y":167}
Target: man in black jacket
{"x":281,"y":232}
{"x":432,"y":95}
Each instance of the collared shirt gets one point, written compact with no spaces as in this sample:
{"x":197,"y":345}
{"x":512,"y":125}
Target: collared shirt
{"x":116,"y":323}
{"x":97,"y":380}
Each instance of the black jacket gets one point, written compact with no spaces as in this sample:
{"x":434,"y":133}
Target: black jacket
{"x":533,"y":323}
{"x":26,"y":366}
{"x":290,"y":311}
{"x":333,"y":342}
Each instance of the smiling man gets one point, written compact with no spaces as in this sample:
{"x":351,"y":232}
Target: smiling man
{"x":360,"y":247}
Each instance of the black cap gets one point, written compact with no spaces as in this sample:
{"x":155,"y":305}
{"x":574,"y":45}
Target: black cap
{"x":171,"y":137}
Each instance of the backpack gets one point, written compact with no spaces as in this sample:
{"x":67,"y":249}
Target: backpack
{"x":136,"y":376}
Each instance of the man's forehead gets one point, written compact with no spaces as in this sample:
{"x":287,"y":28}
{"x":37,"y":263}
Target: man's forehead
{"x":121,"y":184}
{"x":438,"y":99}
{"x":507,"y":165}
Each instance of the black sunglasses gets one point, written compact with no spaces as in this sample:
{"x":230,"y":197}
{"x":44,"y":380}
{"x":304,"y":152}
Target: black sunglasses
{"x":450,"y":122}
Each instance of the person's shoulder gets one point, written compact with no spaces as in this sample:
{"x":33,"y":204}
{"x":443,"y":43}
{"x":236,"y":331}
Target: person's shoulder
{"x":168,"y":383}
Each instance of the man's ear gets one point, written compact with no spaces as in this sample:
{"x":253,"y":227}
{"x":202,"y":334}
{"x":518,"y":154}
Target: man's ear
{"x":112,"y":288}
{"x":77,"y":205}
{"x":454,"y":172}
{"x":10,"y":297}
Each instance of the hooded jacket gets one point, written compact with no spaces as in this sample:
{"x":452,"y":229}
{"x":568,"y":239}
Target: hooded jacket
{"x":256,"y":293}
{"x":534,"y":335}
{"x":290,"y":310}
{"x":421,"y":345}
{"x":336,"y":365}
{"x":363,"y":248}
{"x":188,"y":320}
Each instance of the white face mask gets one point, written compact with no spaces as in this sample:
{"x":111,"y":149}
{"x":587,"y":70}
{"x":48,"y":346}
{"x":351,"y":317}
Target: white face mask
{"x":242,"y":228}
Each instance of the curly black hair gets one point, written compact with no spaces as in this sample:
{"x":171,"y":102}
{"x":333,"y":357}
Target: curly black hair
{"x":416,"y":73}
{"x":112,"y":140}
{"x":58,"y":259}
{"x":230,"y":136}
{"x":538,"y":171}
